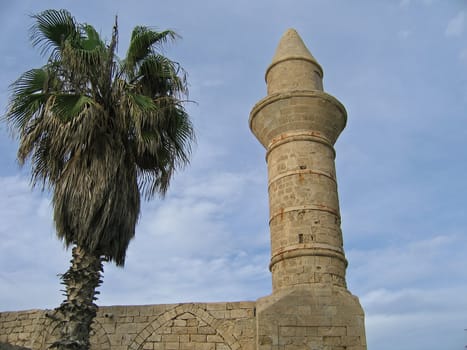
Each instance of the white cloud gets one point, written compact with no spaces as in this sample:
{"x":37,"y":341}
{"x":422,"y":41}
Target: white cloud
{"x":406,"y":263}
{"x":404,"y":34}
{"x":411,"y":289}
{"x":440,"y":299}
{"x":196,"y":237}
{"x":456,"y":25}
{"x":416,"y":330}
{"x":404,"y":3}
{"x":30,"y":254}
{"x":463,"y":55}
{"x":182,"y":245}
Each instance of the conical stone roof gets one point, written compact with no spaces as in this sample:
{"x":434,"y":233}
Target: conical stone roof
{"x":293,"y":67}
{"x":291,"y":46}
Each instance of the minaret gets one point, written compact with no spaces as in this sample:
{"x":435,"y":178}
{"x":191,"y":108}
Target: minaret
{"x":298,"y":124}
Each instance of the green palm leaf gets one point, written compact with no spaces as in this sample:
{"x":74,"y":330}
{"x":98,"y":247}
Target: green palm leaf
{"x":66,"y":107}
{"x":161,"y":76}
{"x":145,"y":41}
{"x":52,"y":29}
{"x":141,"y":104}
{"x":28,"y":97}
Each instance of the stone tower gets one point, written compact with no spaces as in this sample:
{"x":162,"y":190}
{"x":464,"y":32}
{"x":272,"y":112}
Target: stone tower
{"x":298,"y":124}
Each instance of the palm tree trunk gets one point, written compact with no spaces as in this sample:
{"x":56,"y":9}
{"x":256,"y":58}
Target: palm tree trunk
{"x":77,"y":312}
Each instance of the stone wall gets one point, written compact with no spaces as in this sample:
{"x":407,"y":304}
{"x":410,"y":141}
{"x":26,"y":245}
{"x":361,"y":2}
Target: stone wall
{"x":194,"y":326}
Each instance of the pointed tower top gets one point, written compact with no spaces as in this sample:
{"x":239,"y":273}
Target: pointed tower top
{"x":291,"y":46}
{"x":293,"y":67}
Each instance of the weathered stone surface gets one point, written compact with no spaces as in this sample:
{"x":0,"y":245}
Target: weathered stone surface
{"x":170,"y":327}
{"x":298,"y":124}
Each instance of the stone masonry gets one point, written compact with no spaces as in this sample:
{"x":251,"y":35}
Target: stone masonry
{"x":298,"y":124}
{"x":310,"y":306}
{"x":200,"y":326}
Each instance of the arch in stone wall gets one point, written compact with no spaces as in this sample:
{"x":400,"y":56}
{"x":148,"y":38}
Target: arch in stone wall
{"x":178,"y":313}
{"x":50,"y":331}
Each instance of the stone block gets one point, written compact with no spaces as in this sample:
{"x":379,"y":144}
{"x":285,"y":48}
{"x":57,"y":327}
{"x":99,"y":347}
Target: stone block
{"x":172,"y":338}
{"x":198,"y":338}
{"x":179,"y":323}
{"x":332,"y":340}
{"x":148,"y":346}
{"x":220,"y":314}
{"x":205,"y":346}
{"x":187,"y":346}
{"x":131,"y":311}
{"x":241,"y":313}
{"x":140,"y":319}
{"x":222,"y":347}
{"x":179,"y":330}
{"x":214,"y":338}
{"x":184,"y":338}
{"x":127,"y":328}
{"x":216,"y":306}
{"x":332,"y":330}
{"x":206,"y":330}
{"x":148,"y":311}
{"x":172,"y":346}
{"x":192,"y":322}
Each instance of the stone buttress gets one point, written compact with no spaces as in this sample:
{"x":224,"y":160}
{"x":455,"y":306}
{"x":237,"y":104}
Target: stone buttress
{"x":298,"y":124}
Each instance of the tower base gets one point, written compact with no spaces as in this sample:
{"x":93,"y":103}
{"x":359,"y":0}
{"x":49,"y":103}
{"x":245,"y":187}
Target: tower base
{"x":314,"y":317}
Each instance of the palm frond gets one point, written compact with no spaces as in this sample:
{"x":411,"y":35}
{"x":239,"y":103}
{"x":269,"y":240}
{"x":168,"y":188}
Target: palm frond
{"x":28,"y":97}
{"x":51,"y":29}
{"x":164,"y":147}
{"x":66,"y":106}
{"x":89,"y":211}
{"x":160,"y":76}
{"x":141,"y":104}
{"x":43,"y":141}
{"x":92,"y":39}
{"x":83,"y":60}
{"x":145,"y":41}
{"x":86,"y":57}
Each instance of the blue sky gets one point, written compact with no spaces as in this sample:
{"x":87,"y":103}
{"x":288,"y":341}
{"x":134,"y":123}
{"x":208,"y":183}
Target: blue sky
{"x":400,"y":69}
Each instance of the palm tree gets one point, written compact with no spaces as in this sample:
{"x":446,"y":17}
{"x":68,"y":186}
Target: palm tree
{"x":99,"y":132}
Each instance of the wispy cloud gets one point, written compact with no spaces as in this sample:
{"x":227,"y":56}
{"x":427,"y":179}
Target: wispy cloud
{"x":30,"y":254}
{"x":184,"y":244}
{"x":463,"y":55}
{"x":415,"y":287}
{"x":455,"y":26}
{"x":404,"y":34}
{"x":404,"y":3}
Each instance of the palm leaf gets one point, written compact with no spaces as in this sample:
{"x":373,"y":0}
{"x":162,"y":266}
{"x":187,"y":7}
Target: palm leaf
{"x":141,"y":104}
{"x":144,"y":41}
{"x":28,"y":97}
{"x":52,"y":29}
{"x":161,"y":76}
{"x":91,"y":50}
{"x":92,"y":40}
{"x":66,"y":106}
